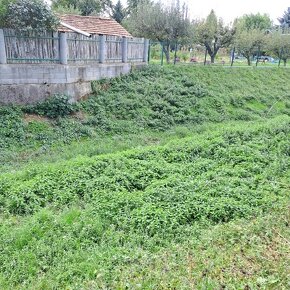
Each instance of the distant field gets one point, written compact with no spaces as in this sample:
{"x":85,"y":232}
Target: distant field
{"x":169,"y":178}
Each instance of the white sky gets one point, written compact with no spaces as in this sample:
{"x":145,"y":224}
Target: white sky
{"x":230,"y":9}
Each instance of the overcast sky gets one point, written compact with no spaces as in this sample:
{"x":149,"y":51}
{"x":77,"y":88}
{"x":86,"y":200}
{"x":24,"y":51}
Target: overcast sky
{"x":230,"y":9}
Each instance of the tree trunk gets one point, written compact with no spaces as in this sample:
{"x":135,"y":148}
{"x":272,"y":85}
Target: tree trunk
{"x":205,"y":56}
{"x":213,"y":54}
{"x":233,"y":56}
{"x":248,"y":60}
{"x":258,"y":55}
{"x":175,"y":52}
{"x":285,"y":62}
{"x":166,"y":52}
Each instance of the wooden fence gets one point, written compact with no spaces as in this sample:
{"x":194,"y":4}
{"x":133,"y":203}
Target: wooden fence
{"x":48,"y":48}
{"x":82,"y":48}
{"x":135,"y":49}
{"x":114,"y":48}
{"x":31,"y":48}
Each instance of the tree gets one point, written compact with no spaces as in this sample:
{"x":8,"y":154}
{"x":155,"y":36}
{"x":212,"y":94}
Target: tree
{"x":285,"y":19}
{"x":279,"y":45}
{"x":251,"y":32}
{"x":86,"y":7}
{"x":3,"y":11}
{"x":256,"y":21}
{"x":66,"y":10}
{"x":213,"y":34}
{"x":166,"y":24}
{"x":27,"y":15}
{"x":118,"y":12}
{"x":89,"y":7}
{"x":248,"y":42}
{"x":132,"y":4}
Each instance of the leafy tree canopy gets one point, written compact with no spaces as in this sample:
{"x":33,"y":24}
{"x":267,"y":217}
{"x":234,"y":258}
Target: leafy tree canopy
{"x":248,"y":42}
{"x":86,"y":7}
{"x":27,"y":15}
{"x":253,"y":21}
{"x":159,"y":22}
{"x":213,"y":34}
{"x":132,"y":4}
{"x":278,"y":45}
{"x":3,"y":11}
{"x":251,"y":34}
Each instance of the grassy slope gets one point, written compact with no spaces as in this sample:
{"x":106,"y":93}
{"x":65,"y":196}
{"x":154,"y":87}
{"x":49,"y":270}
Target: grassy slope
{"x":118,"y":213}
{"x":134,"y":108}
{"x":206,"y":211}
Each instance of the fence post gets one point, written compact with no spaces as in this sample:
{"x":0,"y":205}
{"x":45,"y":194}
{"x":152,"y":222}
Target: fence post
{"x":3,"y":57}
{"x":63,"y":50}
{"x":149,"y":51}
{"x":146,"y":49}
{"x":125,"y":49}
{"x":102,"y":48}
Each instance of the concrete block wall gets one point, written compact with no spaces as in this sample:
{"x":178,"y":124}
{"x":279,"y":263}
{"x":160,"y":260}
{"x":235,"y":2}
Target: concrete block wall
{"x":30,"y":83}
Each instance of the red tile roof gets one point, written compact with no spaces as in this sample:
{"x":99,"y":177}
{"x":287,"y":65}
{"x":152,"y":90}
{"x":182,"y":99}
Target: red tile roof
{"x":93,"y":25}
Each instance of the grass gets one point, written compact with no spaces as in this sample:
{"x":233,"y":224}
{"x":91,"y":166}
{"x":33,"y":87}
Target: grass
{"x":140,"y":107}
{"x":170,"y":178}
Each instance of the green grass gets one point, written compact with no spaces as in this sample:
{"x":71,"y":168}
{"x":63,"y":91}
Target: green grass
{"x":169,"y":178}
{"x":142,"y":104}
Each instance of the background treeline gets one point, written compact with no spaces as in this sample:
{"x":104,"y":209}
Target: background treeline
{"x":249,"y":35}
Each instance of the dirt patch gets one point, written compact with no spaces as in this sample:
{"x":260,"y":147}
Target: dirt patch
{"x":80,"y":115}
{"x":33,"y":117}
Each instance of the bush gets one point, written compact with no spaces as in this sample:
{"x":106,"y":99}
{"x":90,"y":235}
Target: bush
{"x":54,"y":107}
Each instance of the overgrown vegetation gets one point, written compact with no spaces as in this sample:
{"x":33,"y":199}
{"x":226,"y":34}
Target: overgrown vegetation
{"x":28,"y":15}
{"x":201,"y":202}
{"x":154,"y":99}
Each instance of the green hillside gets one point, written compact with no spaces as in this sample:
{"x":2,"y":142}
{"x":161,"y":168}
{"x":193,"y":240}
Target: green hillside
{"x":142,"y":104}
{"x":169,"y":178}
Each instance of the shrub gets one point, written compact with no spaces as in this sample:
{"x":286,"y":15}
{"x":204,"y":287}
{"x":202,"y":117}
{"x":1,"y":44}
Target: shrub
{"x":56,"y":106}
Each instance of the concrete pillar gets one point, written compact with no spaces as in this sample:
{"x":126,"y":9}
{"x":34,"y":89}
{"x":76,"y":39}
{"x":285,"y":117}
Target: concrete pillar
{"x":103,"y":49}
{"x":63,"y":49}
{"x":146,"y":50}
{"x":125,"y":49}
{"x":3,"y":57}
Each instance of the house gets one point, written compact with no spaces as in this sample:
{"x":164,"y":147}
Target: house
{"x":92,"y":25}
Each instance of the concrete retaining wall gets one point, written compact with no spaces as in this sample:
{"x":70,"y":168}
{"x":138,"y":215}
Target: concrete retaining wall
{"x":28,"y":83}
